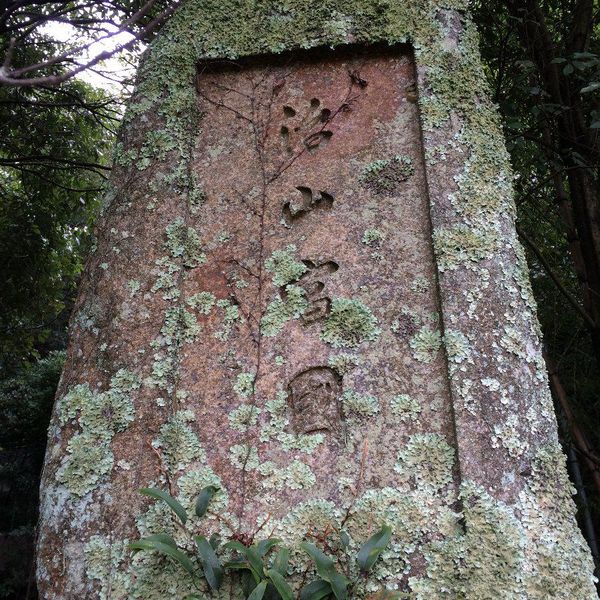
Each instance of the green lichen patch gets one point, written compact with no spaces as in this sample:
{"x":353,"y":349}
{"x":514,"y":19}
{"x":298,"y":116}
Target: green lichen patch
{"x":73,"y":401}
{"x":167,"y":278}
{"x":457,"y":346}
{"x":420,"y":285}
{"x":427,"y":459}
{"x":231,"y":315}
{"x":183,"y":242}
{"x":104,"y":562}
{"x":372,"y":237}
{"x":244,"y":384}
{"x":425,"y":344}
{"x":284,"y":267}
{"x":343,"y":363}
{"x":349,"y":323}
{"x":275,"y":429}
{"x":244,"y":457}
{"x":385,"y":176}
{"x":100,"y":415}
{"x":295,"y":476}
{"x":283,"y":309}
{"x":190,"y":483}
{"x":178,"y":443}
{"x":463,"y":245}
{"x":359,"y":405}
{"x":308,"y":517}
{"x":179,"y":326}
{"x":483,"y":561}
{"x":244,"y":417}
{"x":510,"y":434}
{"x":133,"y":285}
{"x":406,"y":407}
{"x":89,"y":459}
{"x":202,"y":302}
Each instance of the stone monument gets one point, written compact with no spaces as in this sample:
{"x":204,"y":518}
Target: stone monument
{"x":307,"y":291}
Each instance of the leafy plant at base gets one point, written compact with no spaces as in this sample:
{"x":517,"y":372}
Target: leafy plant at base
{"x":261,"y":577}
{"x":330,"y":580}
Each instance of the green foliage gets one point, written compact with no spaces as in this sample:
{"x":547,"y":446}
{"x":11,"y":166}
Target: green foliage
{"x":373,"y":547}
{"x":26,"y":401}
{"x":173,"y":504}
{"x":204,"y":498}
{"x":54,"y":147}
{"x":262,"y":571}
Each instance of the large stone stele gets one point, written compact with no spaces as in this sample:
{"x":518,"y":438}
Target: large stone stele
{"x":307,"y":291}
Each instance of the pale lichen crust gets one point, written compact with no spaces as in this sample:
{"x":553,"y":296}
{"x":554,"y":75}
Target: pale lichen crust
{"x":99,"y":416}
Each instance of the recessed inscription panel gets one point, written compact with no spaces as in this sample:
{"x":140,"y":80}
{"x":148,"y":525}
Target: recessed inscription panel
{"x":315,"y":220}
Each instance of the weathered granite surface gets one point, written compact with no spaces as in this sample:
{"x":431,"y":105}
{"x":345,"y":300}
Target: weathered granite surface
{"x":308,"y":291}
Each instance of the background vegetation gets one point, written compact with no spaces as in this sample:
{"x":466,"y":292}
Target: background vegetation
{"x":542,"y":59}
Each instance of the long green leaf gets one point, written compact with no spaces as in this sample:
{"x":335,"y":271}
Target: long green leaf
{"x":235,"y":545}
{"x":204,"y":498}
{"x":210,"y":562}
{"x":281,"y":585}
{"x":173,"y":504}
{"x":316,"y":590}
{"x":321,"y":559}
{"x":259,"y":591}
{"x":166,"y":549}
{"x":326,"y":570}
{"x":161,"y":537}
{"x":238,"y":564}
{"x":255,"y":564}
{"x":339,"y":583}
{"x":264,"y":546}
{"x":280,"y":564}
{"x":255,"y":559}
{"x":344,"y":538}
{"x":373,"y":547}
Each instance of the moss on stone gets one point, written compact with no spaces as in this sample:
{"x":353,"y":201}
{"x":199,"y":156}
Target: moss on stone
{"x":281,"y":310}
{"x":100,"y":415}
{"x":425,"y":344}
{"x":284,"y":267}
{"x":384,"y":176}
{"x":183,"y":242}
{"x":178,"y":443}
{"x":349,"y":323}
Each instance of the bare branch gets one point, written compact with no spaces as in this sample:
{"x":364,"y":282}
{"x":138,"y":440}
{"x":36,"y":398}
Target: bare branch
{"x":14,"y":77}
